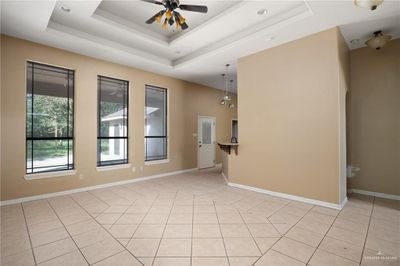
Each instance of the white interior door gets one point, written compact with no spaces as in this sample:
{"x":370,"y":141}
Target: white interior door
{"x":206,"y":142}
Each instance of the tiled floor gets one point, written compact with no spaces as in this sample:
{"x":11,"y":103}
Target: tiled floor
{"x":195,"y":219}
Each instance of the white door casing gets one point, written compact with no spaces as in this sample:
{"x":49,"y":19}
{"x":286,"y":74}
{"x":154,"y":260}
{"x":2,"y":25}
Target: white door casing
{"x":206,"y":142}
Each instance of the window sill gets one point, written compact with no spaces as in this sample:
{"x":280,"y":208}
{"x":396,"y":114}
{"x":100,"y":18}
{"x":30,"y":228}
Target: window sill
{"x":49,"y":174}
{"x":156,"y":162}
{"x":113,"y":167}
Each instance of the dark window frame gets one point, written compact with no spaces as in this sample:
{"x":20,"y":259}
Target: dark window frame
{"x":101,"y":163}
{"x":165,"y":157}
{"x":71,"y":96}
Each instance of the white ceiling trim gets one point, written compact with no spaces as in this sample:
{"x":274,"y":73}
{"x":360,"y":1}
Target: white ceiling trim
{"x":275,"y":23}
{"x":53,"y":26}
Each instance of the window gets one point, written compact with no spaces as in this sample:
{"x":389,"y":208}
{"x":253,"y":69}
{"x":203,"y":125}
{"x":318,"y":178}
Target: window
{"x":49,"y":118}
{"x":112,"y":131}
{"x":156,"y":123}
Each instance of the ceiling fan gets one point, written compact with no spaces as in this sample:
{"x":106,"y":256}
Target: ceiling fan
{"x":171,"y":15}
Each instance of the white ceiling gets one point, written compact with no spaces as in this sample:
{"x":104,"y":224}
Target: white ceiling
{"x":115,"y":31}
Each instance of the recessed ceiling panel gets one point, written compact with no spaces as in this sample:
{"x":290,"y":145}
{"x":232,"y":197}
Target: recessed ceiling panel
{"x":137,"y":12}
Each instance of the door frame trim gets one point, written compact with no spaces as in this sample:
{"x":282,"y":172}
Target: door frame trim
{"x":215,"y":136}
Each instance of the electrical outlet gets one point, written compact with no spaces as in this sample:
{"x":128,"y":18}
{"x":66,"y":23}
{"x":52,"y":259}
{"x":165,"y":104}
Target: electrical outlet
{"x":81,"y":176}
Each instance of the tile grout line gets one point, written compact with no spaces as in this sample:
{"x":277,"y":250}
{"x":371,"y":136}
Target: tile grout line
{"x":65,"y":228}
{"x":94,"y":219}
{"x":222,"y":236}
{"x":165,"y":226}
{"x":29,"y":235}
{"x":366,"y":236}
{"x":284,"y":235}
{"x":191,"y":241}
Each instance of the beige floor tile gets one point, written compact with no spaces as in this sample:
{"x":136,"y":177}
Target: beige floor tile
{"x":122,"y":230}
{"x":55,"y":249}
{"x":155,"y":218}
{"x":149,"y":231}
{"x":347,"y":236}
{"x":182,"y":209}
{"x":90,"y":237}
{"x":205,"y":218}
{"x":208,"y":248}
{"x":236,"y":247}
{"x":265,"y":243}
{"x":24,"y":258}
{"x":392,"y":235}
{"x":323,"y":258}
{"x":242,"y":261}
{"x":319,"y":217}
{"x":180,"y":218}
{"x":204,"y":209}
{"x":108,"y":218}
{"x":44,"y":227}
{"x":116,"y":209}
{"x":210,"y":262}
{"x":123,"y":241}
{"x":281,"y":217}
{"x":138,"y":209}
{"x":101,"y":250}
{"x":294,"y":249}
{"x":10,"y":247}
{"x":121,"y":259}
{"x":131,"y":218}
{"x":49,"y":236}
{"x":171,"y":262}
{"x":351,"y":226}
{"x":174,"y":248}
{"x":294,"y":210}
{"x":178,"y":231}
{"x":313,"y":226}
{"x":305,"y":236}
{"x":206,"y":231}
{"x":342,"y":249}
{"x":254,"y":218}
{"x":82,"y":227}
{"x":282,"y":228}
{"x":324,"y":210}
{"x":234,"y":230}
{"x":277,"y":259}
{"x":230,"y":218}
{"x":74,"y":258}
{"x":143,"y":247}
{"x":263,"y":230}
{"x":146,"y":261}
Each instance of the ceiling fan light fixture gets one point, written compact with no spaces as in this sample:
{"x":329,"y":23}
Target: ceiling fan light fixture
{"x":65,"y":9}
{"x":379,"y":40}
{"x":164,"y":25}
{"x":369,"y":4}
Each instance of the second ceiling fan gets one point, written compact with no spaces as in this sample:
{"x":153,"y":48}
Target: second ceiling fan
{"x":171,"y":15}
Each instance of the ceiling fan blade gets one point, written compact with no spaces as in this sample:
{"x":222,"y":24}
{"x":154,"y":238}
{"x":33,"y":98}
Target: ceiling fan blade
{"x":153,"y":18}
{"x":201,"y":9}
{"x":153,"y":2}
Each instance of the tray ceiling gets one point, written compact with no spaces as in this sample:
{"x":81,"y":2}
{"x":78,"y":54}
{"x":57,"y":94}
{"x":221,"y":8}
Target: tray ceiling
{"x":115,"y":31}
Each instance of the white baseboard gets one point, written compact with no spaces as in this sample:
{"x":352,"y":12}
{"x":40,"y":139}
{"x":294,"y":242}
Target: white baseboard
{"x":83,"y":189}
{"x":292,"y":197}
{"x":226,"y":179}
{"x":375,"y":194}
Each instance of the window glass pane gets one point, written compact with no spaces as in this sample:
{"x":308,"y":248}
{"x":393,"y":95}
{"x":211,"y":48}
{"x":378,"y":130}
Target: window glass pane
{"x":113,"y":121}
{"x":206,"y":132}
{"x":49,"y":118}
{"x":155,"y":112}
{"x":156,"y":149}
{"x":113,"y":105}
{"x":50,"y":155}
{"x":113,"y":151}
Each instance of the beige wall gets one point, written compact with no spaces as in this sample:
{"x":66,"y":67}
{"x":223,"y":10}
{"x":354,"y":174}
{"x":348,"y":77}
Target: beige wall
{"x":289,"y":119}
{"x":186,"y":102}
{"x":374,"y":118}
